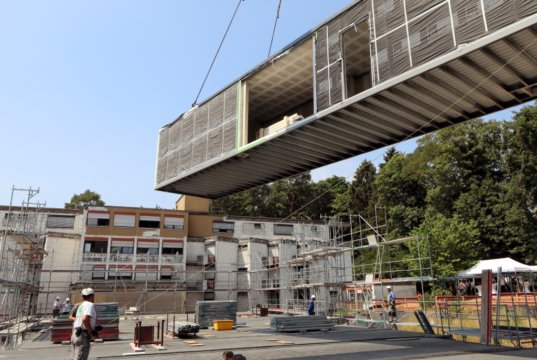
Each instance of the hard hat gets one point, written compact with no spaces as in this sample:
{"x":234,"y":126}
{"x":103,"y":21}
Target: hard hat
{"x":57,"y":298}
{"x":388,"y":287}
{"x":67,"y":299}
{"x":87,"y":292}
{"x":313,"y":296}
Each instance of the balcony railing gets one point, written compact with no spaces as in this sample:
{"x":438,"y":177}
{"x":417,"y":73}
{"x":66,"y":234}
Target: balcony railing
{"x":94,"y":257}
{"x":121,"y":258}
{"x":146,"y":258}
{"x":172,"y":259}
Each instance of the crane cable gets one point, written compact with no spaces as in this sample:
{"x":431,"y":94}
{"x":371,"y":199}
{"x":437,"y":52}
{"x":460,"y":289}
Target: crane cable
{"x":274,"y":29}
{"x":217,"y":51}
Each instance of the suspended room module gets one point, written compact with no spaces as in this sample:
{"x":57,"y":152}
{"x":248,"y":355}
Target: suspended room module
{"x":377,"y":73}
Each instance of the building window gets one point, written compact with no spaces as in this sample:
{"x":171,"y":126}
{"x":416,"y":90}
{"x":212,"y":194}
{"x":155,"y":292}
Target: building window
{"x":152,"y":222}
{"x":174,"y":222}
{"x":98,"y":219}
{"x":150,"y":251}
{"x":61,"y":221}
{"x":223,"y":227}
{"x":280,"y":229}
{"x":100,"y":247}
{"x":172,"y":251}
{"x":121,"y":250}
{"x":121,"y":220}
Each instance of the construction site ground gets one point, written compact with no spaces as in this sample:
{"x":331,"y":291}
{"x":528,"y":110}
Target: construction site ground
{"x":254,"y":339}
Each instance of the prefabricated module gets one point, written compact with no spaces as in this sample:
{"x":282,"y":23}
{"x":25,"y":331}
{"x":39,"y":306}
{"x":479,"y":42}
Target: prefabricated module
{"x":377,"y":73}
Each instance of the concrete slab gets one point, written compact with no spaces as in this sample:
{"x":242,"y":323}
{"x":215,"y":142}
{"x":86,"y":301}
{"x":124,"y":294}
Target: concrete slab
{"x":255,"y":340}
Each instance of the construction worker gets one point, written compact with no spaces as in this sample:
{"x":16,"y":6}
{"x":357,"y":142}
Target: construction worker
{"x":392,"y":311}
{"x":84,"y":327}
{"x":67,"y":306}
{"x":56,"y":307}
{"x":311,"y":305}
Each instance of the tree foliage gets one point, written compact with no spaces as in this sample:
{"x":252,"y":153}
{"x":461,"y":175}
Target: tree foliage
{"x":85,"y":199}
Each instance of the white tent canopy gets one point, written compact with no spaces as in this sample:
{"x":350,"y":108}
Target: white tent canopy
{"x":506,"y":265}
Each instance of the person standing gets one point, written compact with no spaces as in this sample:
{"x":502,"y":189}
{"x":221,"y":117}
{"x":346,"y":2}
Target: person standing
{"x":392,"y":311}
{"x":311,"y":305}
{"x":67,"y":306}
{"x":84,"y":326}
{"x":56,"y":306}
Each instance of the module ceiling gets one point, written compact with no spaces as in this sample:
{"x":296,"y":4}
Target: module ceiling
{"x":479,"y":79}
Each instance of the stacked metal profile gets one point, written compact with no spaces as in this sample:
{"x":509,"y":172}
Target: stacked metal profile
{"x":107,"y":317}
{"x":208,"y":311}
{"x":183,"y":328}
{"x":300,"y":323}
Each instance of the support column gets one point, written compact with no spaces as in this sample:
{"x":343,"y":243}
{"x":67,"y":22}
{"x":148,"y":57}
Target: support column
{"x":486,"y":307}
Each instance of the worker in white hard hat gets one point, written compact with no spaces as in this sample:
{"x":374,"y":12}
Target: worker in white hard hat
{"x":392,"y":311}
{"x":311,"y":305}
{"x":56,"y":307}
{"x":84,"y":326}
{"x":67,"y":306}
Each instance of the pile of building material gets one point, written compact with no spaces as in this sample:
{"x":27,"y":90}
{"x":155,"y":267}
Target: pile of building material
{"x":208,"y":311}
{"x":183,"y":328}
{"x":300,"y":323}
{"x":107,"y":317}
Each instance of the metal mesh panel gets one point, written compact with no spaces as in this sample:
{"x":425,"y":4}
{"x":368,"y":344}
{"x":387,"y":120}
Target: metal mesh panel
{"x":163,"y":142}
{"x":216,"y":111}
{"x":336,"y":93}
{"x":229,"y":136}
{"x":185,"y":161}
{"x":500,"y":13}
{"x":173,"y":165}
{"x":323,"y":99}
{"x":383,"y":59}
{"x":175,"y":136}
{"x":201,"y":118}
{"x":230,"y":103}
{"x":431,"y":35}
{"x":388,"y":15}
{"x":416,"y":7}
{"x":321,"y":49}
{"x":334,"y":49}
{"x":161,"y":169}
{"x":527,"y":7}
{"x":356,"y":13}
{"x":468,"y":20}
{"x":398,"y":51}
{"x":187,"y":132}
{"x":199,"y":149}
{"x":214,"y":145}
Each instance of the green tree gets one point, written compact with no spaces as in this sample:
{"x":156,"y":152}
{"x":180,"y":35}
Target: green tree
{"x":85,"y":199}
{"x":453,"y":243}
{"x":331,"y":197}
{"x":362,"y":189}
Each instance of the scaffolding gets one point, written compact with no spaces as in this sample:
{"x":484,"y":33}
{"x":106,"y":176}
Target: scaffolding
{"x":294,"y":269}
{"x":403,"y":263}
{"x":21,"y":260}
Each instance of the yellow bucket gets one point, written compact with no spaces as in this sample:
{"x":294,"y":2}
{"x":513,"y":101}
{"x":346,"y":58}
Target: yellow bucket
{"x":223,"y":325}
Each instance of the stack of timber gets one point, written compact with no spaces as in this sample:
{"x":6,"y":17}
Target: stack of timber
{"x":183,"y":328}
{"x":300,"y":323}
{"x":107,"y":317}
{"x":208,"y":311}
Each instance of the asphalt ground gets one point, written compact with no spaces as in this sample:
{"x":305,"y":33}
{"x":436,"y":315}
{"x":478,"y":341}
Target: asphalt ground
{"x":254,"y":339}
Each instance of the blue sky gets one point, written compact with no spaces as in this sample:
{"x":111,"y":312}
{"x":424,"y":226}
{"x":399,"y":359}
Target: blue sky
{"x":86,"y":85}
